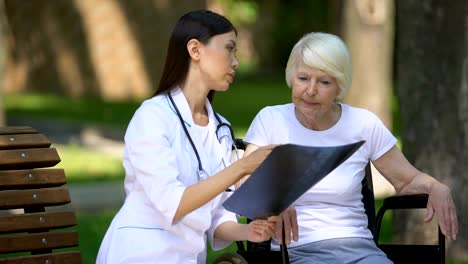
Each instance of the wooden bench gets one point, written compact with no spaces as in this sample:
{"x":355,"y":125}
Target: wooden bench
{"x":27,"y":187}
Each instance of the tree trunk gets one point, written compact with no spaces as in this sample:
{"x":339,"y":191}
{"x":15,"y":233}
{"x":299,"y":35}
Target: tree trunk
{"x":368,"y":29}
{"x":3,"y":28}
{"x":432,"y":68}
{"x":335,"y":17}
{"x":113,"y":49}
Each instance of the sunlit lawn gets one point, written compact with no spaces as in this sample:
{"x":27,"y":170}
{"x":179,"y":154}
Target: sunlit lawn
{"x":85,"y":164}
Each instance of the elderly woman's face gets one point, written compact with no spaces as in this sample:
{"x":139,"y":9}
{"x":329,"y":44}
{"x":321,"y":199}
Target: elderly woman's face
{"x":313,"y":94}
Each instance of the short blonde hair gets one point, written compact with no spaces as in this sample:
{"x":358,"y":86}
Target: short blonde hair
{"x":323,"y":51}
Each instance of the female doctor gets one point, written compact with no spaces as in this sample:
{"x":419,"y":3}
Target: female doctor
{"x":177,"y":157}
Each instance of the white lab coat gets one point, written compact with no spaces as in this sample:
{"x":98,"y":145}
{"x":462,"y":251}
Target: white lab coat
{"x":159,"y":164}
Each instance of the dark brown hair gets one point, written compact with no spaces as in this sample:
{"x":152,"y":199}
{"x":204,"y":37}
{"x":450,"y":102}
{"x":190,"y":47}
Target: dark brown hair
{"x":200,"y":25}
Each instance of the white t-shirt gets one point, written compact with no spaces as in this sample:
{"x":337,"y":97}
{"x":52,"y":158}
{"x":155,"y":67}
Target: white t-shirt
{"x":333,"y":207}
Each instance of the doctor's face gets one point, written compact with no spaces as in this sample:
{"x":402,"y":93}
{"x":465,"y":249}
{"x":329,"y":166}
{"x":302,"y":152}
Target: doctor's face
{"x":218,"y":61}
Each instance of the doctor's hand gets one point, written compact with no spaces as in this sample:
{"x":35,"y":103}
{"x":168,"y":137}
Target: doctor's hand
{"x":289,"y":218}
{"x":252,"y":160}
{"x":261,"y":230}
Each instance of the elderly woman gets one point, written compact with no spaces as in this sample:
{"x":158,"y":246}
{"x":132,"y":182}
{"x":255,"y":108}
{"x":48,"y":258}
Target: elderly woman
{"x":331,"y":223}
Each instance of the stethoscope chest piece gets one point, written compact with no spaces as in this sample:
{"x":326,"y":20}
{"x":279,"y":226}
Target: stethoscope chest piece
{"x":202,"y":175}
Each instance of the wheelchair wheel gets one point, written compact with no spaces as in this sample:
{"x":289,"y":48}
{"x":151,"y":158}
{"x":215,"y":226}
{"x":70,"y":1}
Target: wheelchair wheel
{"x":230,"y":258}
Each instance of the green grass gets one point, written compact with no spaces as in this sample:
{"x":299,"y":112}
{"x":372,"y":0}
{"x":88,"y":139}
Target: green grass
{"x":83,"y":110}
{"x":91,"y":230}
{"x":385,"y":235}
{"x":245,"y":98}
{"x":87,"y":165}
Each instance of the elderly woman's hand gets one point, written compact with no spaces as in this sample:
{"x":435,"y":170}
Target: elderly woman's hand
{"x":441,"y":205}
{"x":289,"y":218}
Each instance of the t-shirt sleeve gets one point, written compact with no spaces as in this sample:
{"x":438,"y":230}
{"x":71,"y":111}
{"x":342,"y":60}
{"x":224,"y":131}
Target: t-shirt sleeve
{"x":257,"y":132}
{"x":380,"y":138}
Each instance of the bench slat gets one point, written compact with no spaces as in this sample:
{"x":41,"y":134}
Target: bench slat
{"x":26,"y":183}
{"x":17,"y":130}
{"x":38,"y":241}
{"x":17,"y":141}
{"x":69,"y":257}
{"x":21,"y":179}
{"x":36,"y":221}
{"x":11,"y":199}
{"x":28,"y":158}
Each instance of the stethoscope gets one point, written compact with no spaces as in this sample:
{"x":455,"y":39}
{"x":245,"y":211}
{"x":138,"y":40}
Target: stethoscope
{"x":202,"y":175}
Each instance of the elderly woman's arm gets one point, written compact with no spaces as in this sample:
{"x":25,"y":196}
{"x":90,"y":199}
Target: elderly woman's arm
{"x":406,"y":179}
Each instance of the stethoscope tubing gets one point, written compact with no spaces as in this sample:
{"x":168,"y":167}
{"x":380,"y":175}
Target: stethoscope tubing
{"x":220,"y":125}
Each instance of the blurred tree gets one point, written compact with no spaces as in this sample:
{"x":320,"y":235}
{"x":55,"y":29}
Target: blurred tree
{"x":268,"y":29}
{"x":48,"y":49}
{"x":368,"y":30}
{"x":243,"y":14}
{"x":113,"y":49}
{"x":280,"y":24}
{"x":432,"y":77}
{"x":3,"y":37}
{"x":335,"y":17}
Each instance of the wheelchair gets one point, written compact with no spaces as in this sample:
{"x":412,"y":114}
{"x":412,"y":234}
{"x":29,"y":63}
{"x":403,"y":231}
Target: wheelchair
{"x":249,"y":252}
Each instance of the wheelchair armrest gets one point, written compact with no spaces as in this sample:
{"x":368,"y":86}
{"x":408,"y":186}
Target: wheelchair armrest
{"x":411,"y":253}
{"x":414,"y":201}
{"x":240,"y":144}
{"x":405,"y":202}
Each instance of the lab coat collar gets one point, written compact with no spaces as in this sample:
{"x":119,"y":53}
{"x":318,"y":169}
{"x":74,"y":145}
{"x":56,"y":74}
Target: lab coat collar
{"x":184,"y":108}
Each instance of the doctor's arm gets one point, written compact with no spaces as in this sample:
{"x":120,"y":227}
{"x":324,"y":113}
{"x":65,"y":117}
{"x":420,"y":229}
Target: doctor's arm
{"x":406,"y":179}
{"x":197,"y":195}
{"x":256,"y":231}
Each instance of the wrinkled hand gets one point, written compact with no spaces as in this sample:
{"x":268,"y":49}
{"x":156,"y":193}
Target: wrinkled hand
{"x":261,"y":230}
{"x":441,"y":205}
{"x":289,"y":218}
{"x":254,"y":159}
